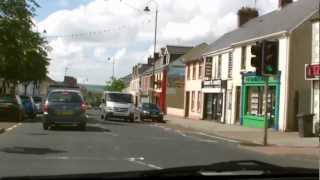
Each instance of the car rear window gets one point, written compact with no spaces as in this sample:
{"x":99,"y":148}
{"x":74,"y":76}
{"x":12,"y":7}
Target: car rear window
{"x":66,"y":97}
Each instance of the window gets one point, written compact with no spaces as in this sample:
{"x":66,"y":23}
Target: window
{"x":194,"y":71}
{"x":188,"y":71}
{"x":192,"y":101}
{"x":243,"y":57}
{"x":230,"y":62}
{"x":200,"y":70}
{"x":219,"y":67}
{"x":199,"y":101}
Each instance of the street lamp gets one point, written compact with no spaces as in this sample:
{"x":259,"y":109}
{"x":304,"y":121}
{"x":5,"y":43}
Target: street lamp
{"x":147,"y":9}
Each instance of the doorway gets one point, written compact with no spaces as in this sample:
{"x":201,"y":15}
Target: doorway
{"x":186,"y":112}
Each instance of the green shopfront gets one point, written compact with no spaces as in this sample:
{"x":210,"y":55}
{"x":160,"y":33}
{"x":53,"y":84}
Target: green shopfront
{"x":252,"y":101}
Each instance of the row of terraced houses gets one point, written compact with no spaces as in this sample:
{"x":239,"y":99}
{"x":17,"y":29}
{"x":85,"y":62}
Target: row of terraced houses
{"x":217,"y":82}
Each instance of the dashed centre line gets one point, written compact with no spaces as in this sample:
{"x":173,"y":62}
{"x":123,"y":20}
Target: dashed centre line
{"x":12,"y":127}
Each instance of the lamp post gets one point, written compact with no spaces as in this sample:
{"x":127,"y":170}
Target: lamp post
{"x":113,"y":62}
{"x":147,"y":9}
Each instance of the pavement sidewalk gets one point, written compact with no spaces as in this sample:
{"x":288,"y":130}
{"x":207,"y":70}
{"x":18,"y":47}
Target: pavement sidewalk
{"x":249,"y":136}
{"x":5,"y":125}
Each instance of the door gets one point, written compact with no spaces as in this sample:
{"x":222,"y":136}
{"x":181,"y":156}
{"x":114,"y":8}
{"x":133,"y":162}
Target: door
{"x":237,"y":120}
{"x":217,"y":106}
{"x":208,"y":106}
{"x":186,"y":111}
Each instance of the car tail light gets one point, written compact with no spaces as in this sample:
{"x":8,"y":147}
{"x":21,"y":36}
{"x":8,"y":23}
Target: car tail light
{"x":45,"y":107}
{"x":83,"y":106}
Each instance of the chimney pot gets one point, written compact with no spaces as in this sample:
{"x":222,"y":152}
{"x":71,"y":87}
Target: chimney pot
{"x":283,"y":3}
{"x":245,"y":14}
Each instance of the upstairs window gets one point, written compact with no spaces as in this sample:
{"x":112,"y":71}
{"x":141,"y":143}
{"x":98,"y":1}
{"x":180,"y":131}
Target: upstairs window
{"x":200,"y":70}
{"x":230,"y":62}
{"x":194,"y":71}
{"x":243,"y":57}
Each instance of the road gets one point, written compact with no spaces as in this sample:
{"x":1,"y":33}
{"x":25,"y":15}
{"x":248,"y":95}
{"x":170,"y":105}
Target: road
{"x":112,"y":146}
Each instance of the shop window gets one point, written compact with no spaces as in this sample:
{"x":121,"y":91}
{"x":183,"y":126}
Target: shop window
{"x":192,"y":101}
{"x":199,"y":101}
{"x":243,"y":57}
{"x":256,"y":103}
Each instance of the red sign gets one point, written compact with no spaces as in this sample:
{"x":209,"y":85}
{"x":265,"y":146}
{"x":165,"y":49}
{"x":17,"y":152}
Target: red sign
{"x":312,"y":71}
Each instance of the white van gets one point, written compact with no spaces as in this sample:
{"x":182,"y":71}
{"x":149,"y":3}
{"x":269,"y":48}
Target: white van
{"x":118,"y":105}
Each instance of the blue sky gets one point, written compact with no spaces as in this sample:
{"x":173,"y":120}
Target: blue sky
{"x":51,"y":6}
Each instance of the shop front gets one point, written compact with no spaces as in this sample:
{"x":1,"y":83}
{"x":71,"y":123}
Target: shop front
{"x":253,"y":101}
{"x":214,"y":99}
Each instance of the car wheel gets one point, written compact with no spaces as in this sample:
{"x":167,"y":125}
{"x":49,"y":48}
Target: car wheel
{"x":161,"y":120}
{"x":45,"y":126}
{"x":102,"y":117}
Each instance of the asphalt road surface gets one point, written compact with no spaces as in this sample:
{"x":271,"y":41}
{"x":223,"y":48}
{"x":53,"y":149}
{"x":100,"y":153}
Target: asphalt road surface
{"x":114,"y":146}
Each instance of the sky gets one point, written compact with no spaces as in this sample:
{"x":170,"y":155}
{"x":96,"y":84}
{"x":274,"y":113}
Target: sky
{"x":85,"y":36}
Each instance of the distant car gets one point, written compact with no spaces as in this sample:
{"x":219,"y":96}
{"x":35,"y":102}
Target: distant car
{"x":29,"y":106}
{"x":64,"y":108}
{"x":149,"y":111}
{"x":38,"y":102}
{"x":11,"y":108}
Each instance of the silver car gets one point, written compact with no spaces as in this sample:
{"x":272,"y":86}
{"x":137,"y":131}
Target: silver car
{"x":64,"y":107}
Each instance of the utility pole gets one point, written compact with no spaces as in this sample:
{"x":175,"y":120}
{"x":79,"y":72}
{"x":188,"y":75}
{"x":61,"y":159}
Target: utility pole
{"x":266,"y":124}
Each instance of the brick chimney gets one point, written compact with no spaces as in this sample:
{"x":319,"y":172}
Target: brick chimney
{"x":150,"y":60}
{"x":245,"y":14}
{"x":283,"y":3}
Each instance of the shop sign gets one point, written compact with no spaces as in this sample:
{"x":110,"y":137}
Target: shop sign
{"x":312,"y":71}
{"x":211,"y":84}
{"x":208,"y":68}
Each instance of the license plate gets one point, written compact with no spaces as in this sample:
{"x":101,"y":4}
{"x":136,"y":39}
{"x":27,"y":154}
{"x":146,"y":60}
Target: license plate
{"x":65,"y":113}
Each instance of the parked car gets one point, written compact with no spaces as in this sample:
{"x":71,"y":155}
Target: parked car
{"x":11,"y":108}
{"x":29,"y":106}
{"x":38,"y":102}
{"x":64,"y":108}
{"x":149,"y":111}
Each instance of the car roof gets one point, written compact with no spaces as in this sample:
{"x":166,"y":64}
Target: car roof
{"x":65,"y":90}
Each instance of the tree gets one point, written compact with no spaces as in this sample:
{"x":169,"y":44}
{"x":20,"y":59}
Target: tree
{"x":115,"y":85}
{"x":23,"y":55}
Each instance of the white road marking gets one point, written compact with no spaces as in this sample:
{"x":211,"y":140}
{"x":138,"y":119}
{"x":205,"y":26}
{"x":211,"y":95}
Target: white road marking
{"x":12,"y":127}
{"x":112,"y":134}
{"x":139,"y":160}
{"x":217,"y":137}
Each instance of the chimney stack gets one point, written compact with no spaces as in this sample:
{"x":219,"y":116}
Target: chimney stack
{"x":283,"y":3}
{"x":150,"y":60}
{"x":245,"y":14}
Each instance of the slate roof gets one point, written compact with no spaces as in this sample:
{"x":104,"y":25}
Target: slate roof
{"x":178,"y":49}
{"x":194,"y":53}
{"x":286,"y":19}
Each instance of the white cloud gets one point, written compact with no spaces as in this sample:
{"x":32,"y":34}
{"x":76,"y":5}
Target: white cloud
{"x":127,"y":34}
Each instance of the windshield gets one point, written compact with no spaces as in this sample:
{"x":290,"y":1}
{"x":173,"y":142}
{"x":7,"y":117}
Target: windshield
{"x":108,"y":86}
{"x":65,"y":97}
{"x":120,"y":98}
{"x":149,"y":106}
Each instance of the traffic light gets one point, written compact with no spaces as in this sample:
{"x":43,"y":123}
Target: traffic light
{"x":256,"y":60}
{"x":270,"y":58}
